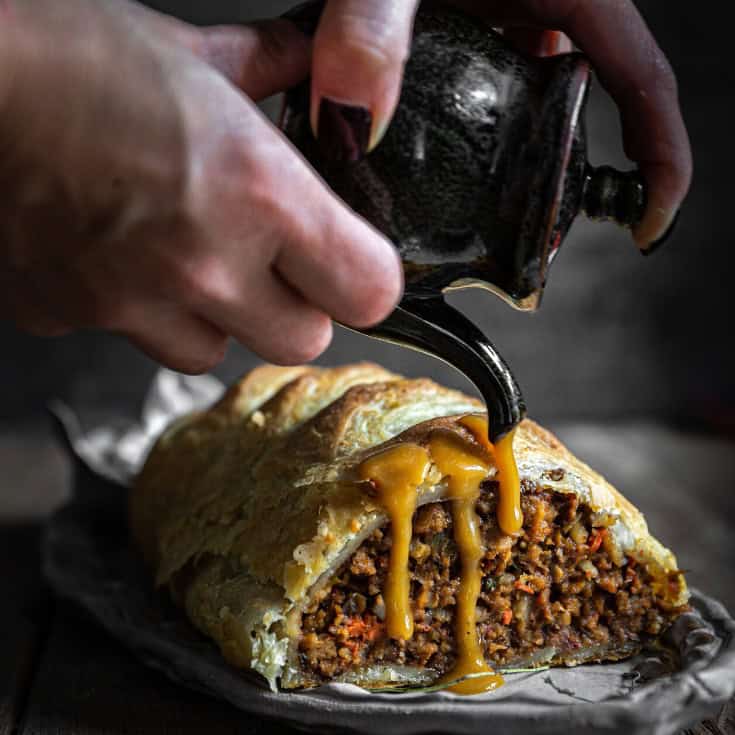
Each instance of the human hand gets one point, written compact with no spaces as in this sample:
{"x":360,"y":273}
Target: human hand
{"x":141,"y":191}
{"x":360,"y":47}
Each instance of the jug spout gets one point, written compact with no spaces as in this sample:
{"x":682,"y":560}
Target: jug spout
{"x":432,"y":326}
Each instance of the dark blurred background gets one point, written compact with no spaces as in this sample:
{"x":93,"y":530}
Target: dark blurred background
{"x":618,"y":336}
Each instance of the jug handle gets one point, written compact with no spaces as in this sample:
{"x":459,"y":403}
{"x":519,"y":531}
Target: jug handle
{"x":430,"y":325}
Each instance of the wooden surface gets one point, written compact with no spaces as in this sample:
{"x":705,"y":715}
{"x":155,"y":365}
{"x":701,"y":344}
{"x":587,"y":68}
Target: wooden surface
{"x":60,"y":674}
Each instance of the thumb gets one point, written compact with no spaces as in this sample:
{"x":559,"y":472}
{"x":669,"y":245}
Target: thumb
{"x":360,"y":48}
{"x":261,"y":58}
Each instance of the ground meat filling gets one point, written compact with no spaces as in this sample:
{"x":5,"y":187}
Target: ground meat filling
{"x":562,"y":583}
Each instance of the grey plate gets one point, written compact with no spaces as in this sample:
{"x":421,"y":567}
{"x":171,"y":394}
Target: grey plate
{"x":87,"y":559}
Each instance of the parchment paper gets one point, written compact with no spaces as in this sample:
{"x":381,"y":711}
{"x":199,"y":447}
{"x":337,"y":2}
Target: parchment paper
{"x":87,"y":558}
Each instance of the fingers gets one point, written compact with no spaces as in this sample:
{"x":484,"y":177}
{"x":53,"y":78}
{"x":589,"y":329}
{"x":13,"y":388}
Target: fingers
{"x":326,"y":264}
{"x":635,"y":72}
{"x":179,"y":340}
{"x":261,"y":58}
{"x":284,"y":255}
{"x":359,"y":51}
{"x":262,"y":312}
{"x":341,"y":264}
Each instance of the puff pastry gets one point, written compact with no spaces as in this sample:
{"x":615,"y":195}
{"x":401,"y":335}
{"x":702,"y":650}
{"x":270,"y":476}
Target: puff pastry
{"x":257,"y":516}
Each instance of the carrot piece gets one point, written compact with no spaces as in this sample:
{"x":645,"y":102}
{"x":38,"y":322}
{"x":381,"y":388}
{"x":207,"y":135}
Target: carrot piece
{"x":356,"y":627}
{"x":599,"y":534}
{"x":507,"y":617}
{"x":374,"y":632}
{"x":525,"y":588}
{"x":365,"y":629}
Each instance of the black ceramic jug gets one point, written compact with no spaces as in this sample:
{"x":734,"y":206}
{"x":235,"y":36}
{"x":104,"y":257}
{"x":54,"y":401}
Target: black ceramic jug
{"x":476,"y":182}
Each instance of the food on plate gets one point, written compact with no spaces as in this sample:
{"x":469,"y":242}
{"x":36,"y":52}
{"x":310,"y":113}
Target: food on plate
{"x":351,"y":525}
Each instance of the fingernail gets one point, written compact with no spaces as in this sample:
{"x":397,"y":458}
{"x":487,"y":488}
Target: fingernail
{"x":343,"y":131}
{"x":656,"y":244}
{"x":565,"y":45}
{"x":377,"y":133}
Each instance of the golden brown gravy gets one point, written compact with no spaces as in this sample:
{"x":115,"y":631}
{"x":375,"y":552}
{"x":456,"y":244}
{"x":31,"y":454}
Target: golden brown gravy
{"x":397,"y":474}
{"x":510,"y":517}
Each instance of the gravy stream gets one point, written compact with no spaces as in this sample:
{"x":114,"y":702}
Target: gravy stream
{"x":397,"y":473}
{"x":464,"y":473}
{"x":510,"y":518}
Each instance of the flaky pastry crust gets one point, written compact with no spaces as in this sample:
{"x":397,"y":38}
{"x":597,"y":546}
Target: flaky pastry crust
{"x":244,"y":509}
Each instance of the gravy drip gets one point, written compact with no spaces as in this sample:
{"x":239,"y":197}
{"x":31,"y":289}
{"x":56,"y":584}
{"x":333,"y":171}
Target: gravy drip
{"x":397,"y":473}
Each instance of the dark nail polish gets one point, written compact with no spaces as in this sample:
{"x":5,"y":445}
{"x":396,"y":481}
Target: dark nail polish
{"x":658,"y":243}
{"x":305,"y":16}
{"x":343,"y":130}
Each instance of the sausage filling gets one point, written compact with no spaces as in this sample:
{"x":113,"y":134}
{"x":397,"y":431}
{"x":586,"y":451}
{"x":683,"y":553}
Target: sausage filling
{"x":560,"y":586}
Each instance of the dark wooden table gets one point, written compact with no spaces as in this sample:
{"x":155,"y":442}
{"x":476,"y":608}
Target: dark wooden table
{"x":60,"y":674}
